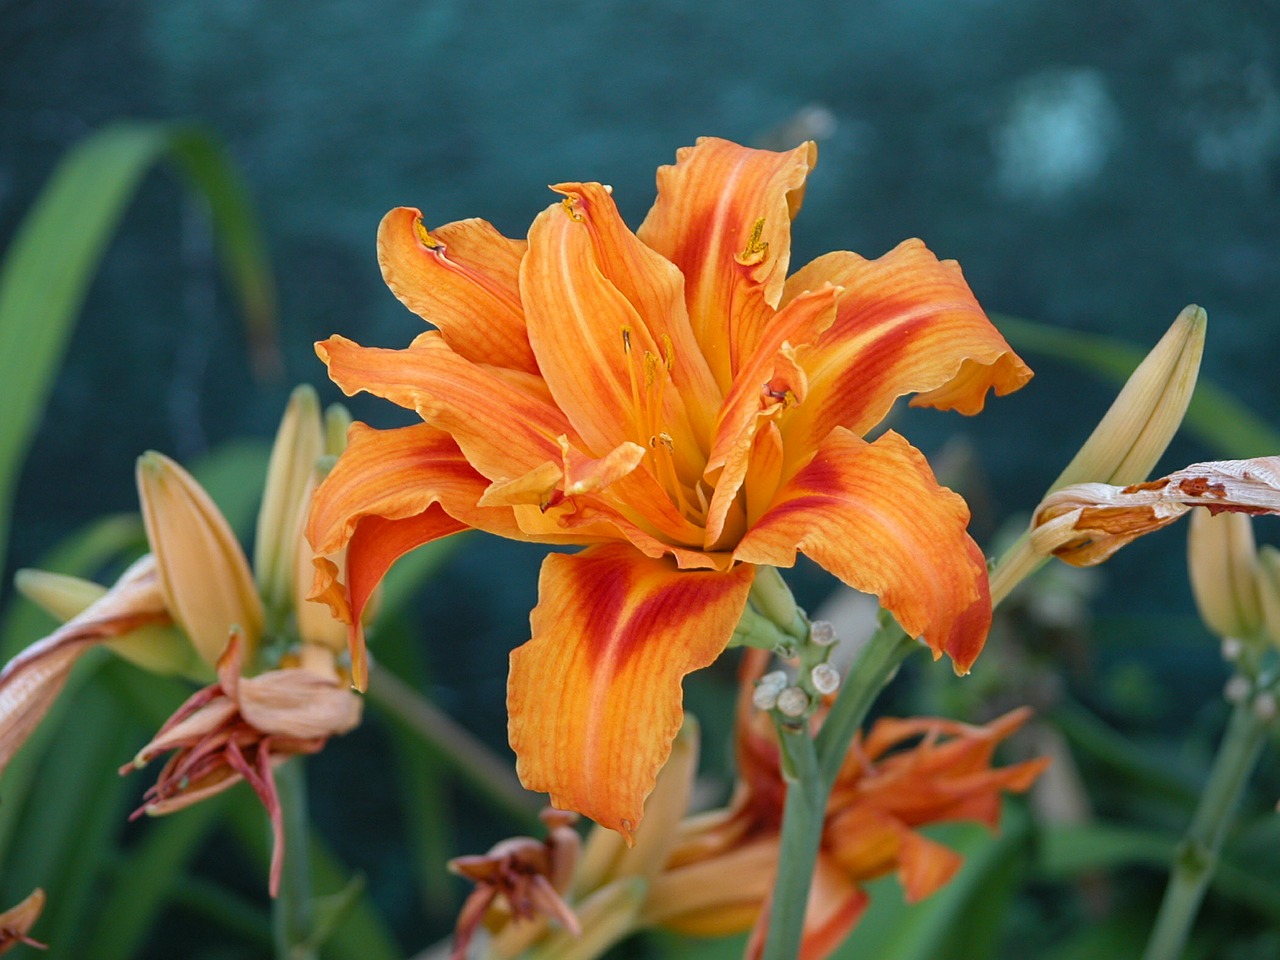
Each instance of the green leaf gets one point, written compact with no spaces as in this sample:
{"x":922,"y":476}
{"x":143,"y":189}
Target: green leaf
{"x":362,"y":935}
{"x":70,"y":820}
{"x":55,"y":253}
{"x":1215,"y":418}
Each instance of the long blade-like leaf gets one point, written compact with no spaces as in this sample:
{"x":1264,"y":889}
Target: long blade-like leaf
{"x":1215,"y":418}
{"x":55,"y":253}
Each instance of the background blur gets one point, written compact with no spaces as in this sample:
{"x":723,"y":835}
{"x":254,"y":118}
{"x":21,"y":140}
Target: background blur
{"x":1092,"y":166}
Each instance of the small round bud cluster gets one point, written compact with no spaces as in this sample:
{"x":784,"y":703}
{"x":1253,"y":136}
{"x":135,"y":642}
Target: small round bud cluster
{"x":1232,"y":647}
{"x":793,"y":702}
{"x":1265,"y":706}
{"x":768,"y":687}
{"x":823,"y":633}
{"x":825,"y":679}
{"x":1237,"y":690}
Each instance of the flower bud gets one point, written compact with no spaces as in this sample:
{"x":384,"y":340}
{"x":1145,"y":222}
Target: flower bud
{"x":1135,"y":431}
{"x":1222,"y":559}
{"x":204,"y":576}
{"x":1268,"y":581}
{"x":299,"y":443}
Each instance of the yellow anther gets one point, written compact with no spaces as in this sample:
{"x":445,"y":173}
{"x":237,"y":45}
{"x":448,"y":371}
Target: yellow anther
{"x":569,"y":204}
{"x":424,"y":237}
{"x":668,"y":351}
{"x":650,"y":369}
{"x":666,"y":441}
{"x":756,"y":248}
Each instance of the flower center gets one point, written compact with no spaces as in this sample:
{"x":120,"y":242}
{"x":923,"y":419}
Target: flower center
{"x":650,"y":377}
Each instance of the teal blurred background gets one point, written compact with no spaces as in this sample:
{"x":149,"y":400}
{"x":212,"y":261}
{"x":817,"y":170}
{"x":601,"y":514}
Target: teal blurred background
{"x":1091,"y":166}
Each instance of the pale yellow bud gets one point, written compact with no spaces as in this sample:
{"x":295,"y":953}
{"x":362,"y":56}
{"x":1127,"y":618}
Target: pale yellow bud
{"x":155,"y":648}
{"x":57,"y":594}
{"x":337,"y":421}
{"x":298,"y":445}
{"x":1130,"y":438}
{"x":1269,"y":591}
{"x":204,"y":577}
{"x":1135,"y":431}
{"x":1222,"y":558}
{"x":316,"y":624}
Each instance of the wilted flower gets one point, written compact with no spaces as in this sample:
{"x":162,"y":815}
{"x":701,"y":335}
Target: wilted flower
{"x":520,"y":879}
{"x":197,"y":578}
{"x":31,"y":681}
{"x":1086,"y":523}
{"x":672,"y":400}
{"x":241,"y":727}
{"x":16,"y":922}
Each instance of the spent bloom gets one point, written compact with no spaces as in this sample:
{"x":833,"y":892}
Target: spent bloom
{"x":196,"y":579}
{"x":17,"y":921}
{"x":674,"y":401}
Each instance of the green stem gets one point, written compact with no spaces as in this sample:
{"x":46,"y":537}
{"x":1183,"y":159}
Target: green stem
{"x":292,"y":918}
{"x":1197,"y":856}
{"x":810,"y":768}
{"x":466,"y":756}
{"x":802,"y":820}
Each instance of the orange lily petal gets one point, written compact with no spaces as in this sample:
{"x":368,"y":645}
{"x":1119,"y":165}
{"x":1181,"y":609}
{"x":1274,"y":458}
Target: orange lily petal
{"x":391,"y":491}
{"x":723,"y":216}
{"x":925,"y":865}
{"x":504,"y":420}
{"x":874,"y":515}
{"x":462,"y":277}
{"x":655,"y":287}
{"x":768,"y":382}
{"x":905,"y":323}
{"x":601,"y":362}
{"x":594,"y":698}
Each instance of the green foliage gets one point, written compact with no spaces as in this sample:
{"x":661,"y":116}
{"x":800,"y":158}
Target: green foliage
{"x":54,"y":256}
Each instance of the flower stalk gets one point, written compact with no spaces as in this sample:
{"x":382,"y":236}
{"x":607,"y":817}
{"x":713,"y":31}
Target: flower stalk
{"x":810,"y":766}
{"x":1197,"y":856}
{"x":292,"y":914}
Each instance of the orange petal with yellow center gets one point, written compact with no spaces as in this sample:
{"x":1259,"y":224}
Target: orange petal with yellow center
{"x":772,"y":380}
{"x":873,"y":515}
{"x":655,"y":287}
{"x":504,"y":420}
{"x":391,"y":491}
{"x":603,"y":366}
{"x":462,"y":277}
{"x":595,"y":697}
{"x":723,"y":216}
{"x":905,"y":323}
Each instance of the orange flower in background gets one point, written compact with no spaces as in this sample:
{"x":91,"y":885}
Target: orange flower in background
{"x":902,"y":775}
{"x":672,"y":400}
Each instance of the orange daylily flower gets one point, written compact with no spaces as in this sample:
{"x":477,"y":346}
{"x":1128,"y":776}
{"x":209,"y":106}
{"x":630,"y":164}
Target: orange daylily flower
{"x":671,"y":399}
{"x":900,"y":776}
